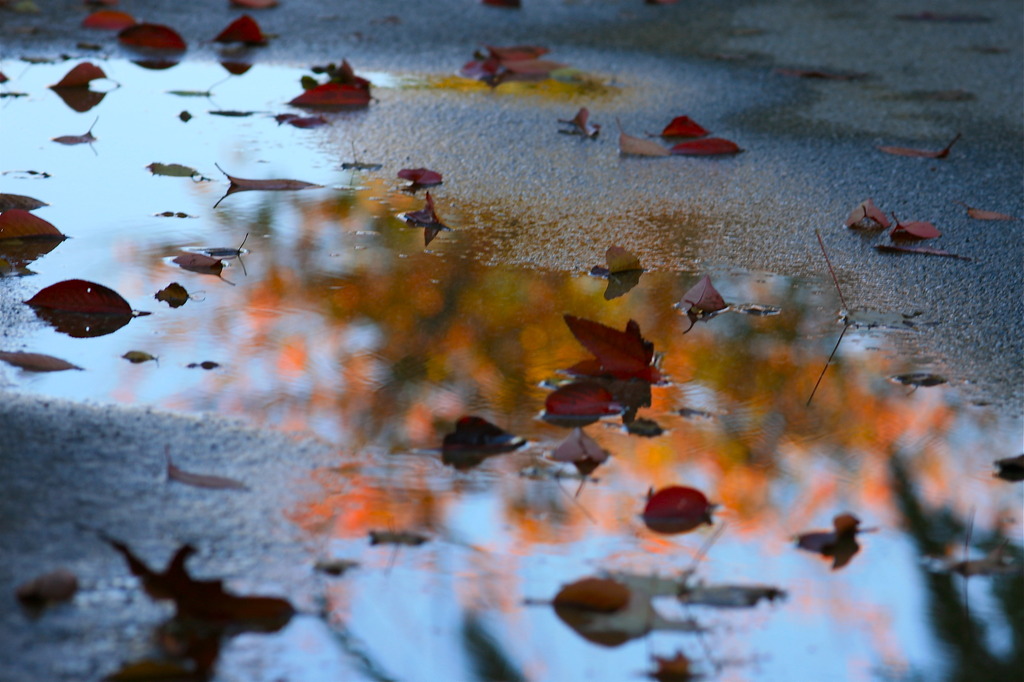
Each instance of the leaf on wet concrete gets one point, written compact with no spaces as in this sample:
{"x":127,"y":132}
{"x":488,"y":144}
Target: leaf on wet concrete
{"x":19,"y":202}
{"x":36,"y":362}
{"x":81,"y":296}
{"x":581,"y":125}
{"x":1010,"y":468}
{"x":915,"y":229}
{"x":709,"y":146}
{"x":684,"y":126}
{"x":137,"y":357}
{"x":173,"y":295}
{"x":821,"y":74}
{"x":867,"y":216}
{"x":922,"y":153}
{"x":895,"y":248}
{"x":58,"y":585}
{"x":80,"y":76}
{"x":109,"y":20}
{"x":333,"y":96}
{"x":202,"y":480}
{"x":244,"y":29}
{"x":421,"y":177}
{"x":16,"y":223}
{"x":621,"y":354}
{"x":840,"y":545}
{"x":153,"y":37}
{"x":174,"y":170}
{"x":677,"y":509}
{"x":403,"y":537}
{"x":979,"y":214}
{"x":630,"y":145}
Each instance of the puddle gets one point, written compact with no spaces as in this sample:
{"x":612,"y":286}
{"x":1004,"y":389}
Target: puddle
{"x":337,"y":320}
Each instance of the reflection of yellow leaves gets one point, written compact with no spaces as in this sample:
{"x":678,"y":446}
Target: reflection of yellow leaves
{"x":567,"y":83}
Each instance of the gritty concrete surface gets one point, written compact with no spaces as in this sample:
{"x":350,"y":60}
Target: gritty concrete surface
{"x":810,"y":158}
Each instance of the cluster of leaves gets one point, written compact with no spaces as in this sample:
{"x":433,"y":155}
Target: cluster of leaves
{"x":341,"y":89}
{"x":497,"y":65}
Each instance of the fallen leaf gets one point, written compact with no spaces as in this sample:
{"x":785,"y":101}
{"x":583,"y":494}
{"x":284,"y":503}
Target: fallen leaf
{"x":173,"y":295}
{"x":580,"y":403}
{"x":16,"y":223}
{"x":247,"y":185}
{"x":919,"y":379}
{"x":301,"y":121}
{"x":421,"y":177}
{"x":645,"y":428}
{"x":36,"y":362}
{"x":709,"y":146}
{"x":603,"y":595}
{"x":684,"y":126}
{"x":867,"y":216}
{"x":426,"y":218}
{"x":335,"y":566}
{"x":621,"y":354}
{"x":202,"y":480}
{"x":152,"y":36}
{"x":1010,"y":468}
{"x":509,"y":4}
{"x":20,"y":202}
{"x":85,"y":138}
{"x":205,"y":364}
{"x":199,"y":263}
{"x":517,"y":52}
{"x":80,"y":76}
{"x":174,"y":170}
{"x":58,"y":585}
{"x":80,"y":296}
{"x":677,"y":509}
{"x":623,"y":272}
{"x":388,"y":537}
{"x":532,"y":67}
{"x":979,"y":214}
{"x":581,"y":450}
{"x":840,"y":544}
{"x":473,"y":440}
{"x":703,"y":298}
{"x":730,"y":596}
{"x":820,"y":75}
{"x":894,"y":248}
{"x":138,"y":356}
{"x":244,"y":29}
{"x":944,"y":17}
{"x":109,"y":20}
{"x":333,"y":96}
{"x":917,"y":229}
{"x":236,"y":68}
{"x":581,"y":124}
{"x":922,"y":153}
{"x":254,"y":4}
{"x":678,"y":668}
{"x":635,"y":146}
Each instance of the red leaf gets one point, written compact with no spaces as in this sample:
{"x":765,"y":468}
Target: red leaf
{"x":922,"y":153}
{"x":917,"y":229}
{"x":479,"y":435}
{"x":624,"y":355}
{"x":301,"y":121}
{"x":684,"y":126}
{"x":153,"y":36}
{"x":79,"y":296}
{"x":513,"y":4}
{"x":333,"y":95}
{"x":244,"y":29}
{"x":486,"y":70}
{"x":255,"y":4}
{"x":425,"y":217}
{"x":707,"y":147}
{"x":36,"y":362}
{"x":867,"y":216}
{"x":581,"y":399}
{"x":236,"y":68}
{"x":581,"y":124}
{"x":80,"y":76}
{"x":677,"y":509}
{"x":3,"y":78}
{"x":704,"y":298}
{"x":422,"y":177}
{"x":517,"y":52}
{"x":532,"y":67}
{"x":18,"y":224}
{"x":109,"y":20}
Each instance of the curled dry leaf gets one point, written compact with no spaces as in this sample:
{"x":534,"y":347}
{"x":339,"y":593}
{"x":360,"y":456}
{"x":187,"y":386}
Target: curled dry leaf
{"x":244,"y":29}
{"x":981,"y":214}
{"x":202,"y":480}
{"x":16,"y":223}
{"x":867,"y":216}
{"x":36,"y":362}
{"x":80,"y":296}
{"x":677,"y":509}
{"x":153,"y":37}
{"x":709,"y":146}
{"x":273,"y":185}
{"x":19,"y":201}
{"x":58,"y":585}
{"x":581,"y":124}
{"x":80,"y":76}
{"x":109,"y":20}
{"x":922,"y":153}
{"x":421,"y":177}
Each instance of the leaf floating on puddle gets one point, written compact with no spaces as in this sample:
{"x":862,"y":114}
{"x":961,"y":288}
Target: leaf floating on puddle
{"x":199,"y":263}
{"x":581,"y":450}
{"x":426,"y":218}
{"x":20,"y":202}
{"x":919,"y":379}
{"x":205,"y":364}
{"x":301,"y":121}
{"x":840,"y":544}
{"x":80,"y":296}
{"x":272,"y":185}
{"x":152,"y":36}
{"x":36,"y":362}
{"x":174,"y":170}
{"x":16,"y":223}
{"x":138,"y":356}
{"x":580,"y":403}
{"x":202,"y":480}
{"x":474,"y":440}
{"x":85,"y":138}
{"x":678,"y":668}
{"x":622,"y":354}
{"x":1010,"y":468}
{"x":388,"y":537}
{"x":333,"y":96}
{"x":623,"y":272}
{"x":173,"y":295}
{"x":80,"y":76}
{"x":921,"y":153}
{"x":701,"y":302}
{"x":677,"y":509}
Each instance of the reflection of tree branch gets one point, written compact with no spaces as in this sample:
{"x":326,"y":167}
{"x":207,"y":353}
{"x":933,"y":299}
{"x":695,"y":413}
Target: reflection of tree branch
{"x":964,"y":636}
{"x":489,"y":660}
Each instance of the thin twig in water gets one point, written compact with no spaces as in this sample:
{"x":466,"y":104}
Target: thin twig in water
{"x":575,"y":501}
{"x":827,"y":363}
{"x":843,"y":316}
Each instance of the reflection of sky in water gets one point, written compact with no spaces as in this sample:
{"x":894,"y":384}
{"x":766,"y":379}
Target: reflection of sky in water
{"x":341,"y":323}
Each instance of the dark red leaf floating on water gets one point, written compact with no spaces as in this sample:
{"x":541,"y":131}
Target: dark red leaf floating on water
{"x":244,"y":29}
{"x":199,"y":263}
{"x":108,"y":20}
{"x":301,"y":121}
{"x":621,"y":354}
{"x":840,"y":544}
{"x":709,"y":146}
{"x":333,"y":96}
{"x":922,"y":153}
{"x":421,"y":177}
{"x":474,"y":440}
{"x":16,"y":223}
{"x":427,"y":219}
{"x":581,"y":124}
{"x":701,"y":302}
{"x":677,"y":509}
{"x":152,"y":36}
{"x":271,"y":185}
{"x":236,"y":68}
{"x":80,"y":296}
{"x":916,"y":229}
{"x":867,"y":216}
{"x":684,"y":126}
{"x":601,"y":595}
{"x":580,"y":403}
{"x":80,"y":76}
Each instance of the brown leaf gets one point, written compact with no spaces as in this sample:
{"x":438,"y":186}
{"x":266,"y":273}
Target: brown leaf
{"x":581,"y":124}
{"x":80,"y":296}
{"x":593,"y":594}
{"x":581,"y":450}
{"x":200,"y":263}
{"x":635,"y":146}
{"x":922,"y":153}
{"x":36,"y":362}
{"x":173,"y":295}
{"x":404,"y":537}
{"x":246,"y":185}
{"x":19,"y":201}
{"x":840,"y":544}
{"x":979,"y":214}
{"x":58,"y":585}
{"x":867,"y":216}
{"x":16,"y":223}
{"x":80,"y":76}
{"x":202,"y":480}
